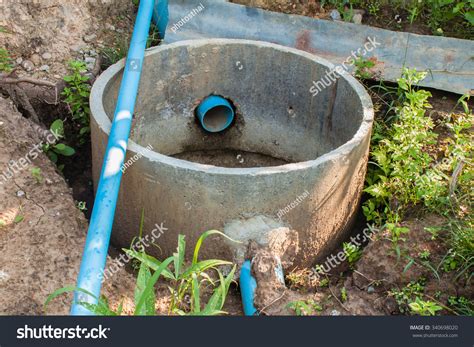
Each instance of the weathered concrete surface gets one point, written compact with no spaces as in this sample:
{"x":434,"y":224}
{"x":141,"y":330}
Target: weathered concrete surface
{"x":325,"y":138}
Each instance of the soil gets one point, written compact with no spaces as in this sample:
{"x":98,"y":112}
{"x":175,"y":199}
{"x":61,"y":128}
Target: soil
{"x":42,"y":233}
{"x":387,"y":17}
{"x":231,"y":158}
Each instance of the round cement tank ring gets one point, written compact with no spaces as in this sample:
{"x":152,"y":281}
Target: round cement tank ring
{"x":293,"y":163}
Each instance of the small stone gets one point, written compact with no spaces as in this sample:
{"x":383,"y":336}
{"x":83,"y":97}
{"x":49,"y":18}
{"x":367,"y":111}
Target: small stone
{"x":335,"y":313}
{"x":19,"y":60}
{"x":48,"y":181}
{"x":335,"y":15}
{"x":20,"y":193}
{"x":109,"y":26}
{"x":46,"y":56}
{"x":90,"y":62}
{"x":93,"y":53}
{"x":90,"y":38}
{"x":27,"y":65}
{"x":44,"y":68}
{"x":36,"y":59}
{"x":370,"y":289}
{"x":357,"y":18}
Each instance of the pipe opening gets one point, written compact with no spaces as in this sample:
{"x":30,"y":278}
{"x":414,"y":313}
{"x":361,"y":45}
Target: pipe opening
{"x":215,"y":113}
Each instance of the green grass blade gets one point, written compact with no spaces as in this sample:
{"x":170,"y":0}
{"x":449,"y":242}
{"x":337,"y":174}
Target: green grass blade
{"x":196,"y":293}
{"x":151,"y":284}
{"x":179,"y":256}
{"x":203,"y":266}
{"x":150,"y":261}
{"x":143,"y":277}
{"x":205,"y":236}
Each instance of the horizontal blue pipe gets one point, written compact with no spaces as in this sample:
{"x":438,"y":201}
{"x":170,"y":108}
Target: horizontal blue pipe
{"x":248,"y":286}
{"x":100,"y":226}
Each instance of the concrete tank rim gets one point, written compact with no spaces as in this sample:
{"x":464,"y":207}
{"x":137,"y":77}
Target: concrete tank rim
{"x":364,"y":130}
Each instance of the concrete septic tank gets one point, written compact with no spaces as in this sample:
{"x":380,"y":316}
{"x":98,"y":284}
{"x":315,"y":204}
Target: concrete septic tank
{"x":288,"y":173}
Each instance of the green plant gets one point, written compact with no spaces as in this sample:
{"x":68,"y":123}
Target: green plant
{"x":5,"y":61}
{"x":112,"y":55}
{"x":52,"y":150}
{"x":76,"y":96}
{"x":343,"y":294}
{"x":461,"y":305}
{"x":352,"y":252}
{"x":408,"y":294}
{"x":187,"y":281}
{"x":81,"y":205}
{"x":36,"y":173}
{"x":424,"y":308}
{"x":190,"y":280}
{"x":401,"y":172}
{"x":374,"y":7}
{"x":460,"y":256}
{"x":363,"y":67}
{"x":305,"y":307}
{"x":424,"y":255}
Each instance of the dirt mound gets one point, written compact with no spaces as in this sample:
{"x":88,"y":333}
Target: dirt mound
{"x":42,"y":233}
{"x":41,"y":36}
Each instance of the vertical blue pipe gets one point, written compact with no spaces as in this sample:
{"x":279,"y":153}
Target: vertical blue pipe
{"x":100,"y":227}
{"x":248,"y":286}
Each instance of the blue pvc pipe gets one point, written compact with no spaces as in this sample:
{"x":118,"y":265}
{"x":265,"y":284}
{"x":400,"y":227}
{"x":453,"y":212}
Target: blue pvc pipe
{"x":215,"y":113}
{"x":100,"y":227}
{"x":248,"y":286}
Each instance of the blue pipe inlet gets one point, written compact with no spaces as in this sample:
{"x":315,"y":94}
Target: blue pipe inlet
{"x":215,"y":113}
{"x":248,"y":286}
{"x":100,"y":227}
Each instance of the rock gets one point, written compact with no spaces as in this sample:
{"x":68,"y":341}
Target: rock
{"x":358,"y":11}
{"x":44,"y":68}
{"x":335,"y":313}
{"x":357,"y":18}
{"x":27,"y":65}
{"x":36,"y":59}
{"x":93,"y":53}
{"x":89,"y":38}
{"x":19,"y":60}
{"x":335,"y":15}
{"x":110,"y":27}
{"x":90,"y":62}
{"x":20,"y":193}
{"x":46,"y":56}
{"x":370,"y":289}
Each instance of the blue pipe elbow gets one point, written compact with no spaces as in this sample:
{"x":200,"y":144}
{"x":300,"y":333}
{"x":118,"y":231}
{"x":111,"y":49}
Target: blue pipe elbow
{"x":215,"y":113}
{"x":248,"y":286}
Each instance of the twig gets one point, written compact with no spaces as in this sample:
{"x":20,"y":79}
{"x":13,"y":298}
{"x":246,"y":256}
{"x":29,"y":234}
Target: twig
{"x":339,"y":301}
{"x":274,"y":301}
{"x":454,"y":180}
